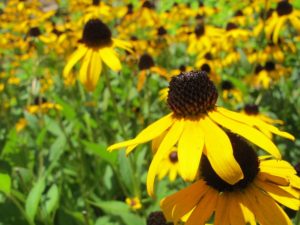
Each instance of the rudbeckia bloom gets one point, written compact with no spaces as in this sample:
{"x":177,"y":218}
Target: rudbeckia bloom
{"x":196,"y":126}
{"x":97,"y":46}
{"x":284,"y":12}
{"x":255,"y":198}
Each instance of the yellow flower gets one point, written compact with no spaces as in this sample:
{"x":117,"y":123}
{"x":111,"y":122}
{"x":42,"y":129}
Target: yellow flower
{"x":169,"y":165}
{"x":194,"y":126}
{"x":21,"y":124}
{"x":284,"y":12}
{"x":97,"y":46}
{"x":41,"y":105}
{"x":259,"y":120}
{"x":230,"y":92}
{"x":267,"y":184}
{"x":134,"y":203}
{"x":146,"y":65}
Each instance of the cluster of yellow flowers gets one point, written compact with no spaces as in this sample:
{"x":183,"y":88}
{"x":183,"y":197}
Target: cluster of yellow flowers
{"x":198,"y":140}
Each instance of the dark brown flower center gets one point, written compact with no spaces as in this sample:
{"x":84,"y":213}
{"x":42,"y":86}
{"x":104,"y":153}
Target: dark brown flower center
{"x":173,"y":157}
{"x":270,"y":66}
{"x":246,"y":158}
{"x":199,"y":30}
{"x":146,"y":62}
{"x":284,"y":8}
{"x":96,"y":2}
{"x":34,"y":32}
{"x":251,"y":109}
{"x":231,"y":26}
{"x":182,"y":68}
{"x":157,"y":218}
{"x":227,"y":85}
{"x":205,"y":67}
{"x":96,"y":34}
{"x":161,"y":31}
{"x":148,"y":5}
{"x":208,"y":56}
{"x":192,"y":94}
{"x":258,"y":68}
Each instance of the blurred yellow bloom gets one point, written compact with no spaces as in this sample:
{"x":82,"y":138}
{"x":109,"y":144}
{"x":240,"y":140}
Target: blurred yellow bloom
{"x":21,"y":124}
{"x":134,"y":203}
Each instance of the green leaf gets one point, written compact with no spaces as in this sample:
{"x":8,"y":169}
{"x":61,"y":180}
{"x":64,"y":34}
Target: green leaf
{"x":52,"y":199}
{"x":121,"y":210}
{"x":100,"y":150}
{"x":33,"y":198}
{"x":5,"y":183}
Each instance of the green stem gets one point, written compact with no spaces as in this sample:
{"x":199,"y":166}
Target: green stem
{"x":115,"y":106}
{"x":19,"y":206}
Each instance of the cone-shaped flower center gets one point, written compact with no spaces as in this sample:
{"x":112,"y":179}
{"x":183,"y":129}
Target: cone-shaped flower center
{"x":146,"y":62}
{"x":96,"y":2}
{"x":227,"y":85}
{"x":148,"y":4}
{"x":284,"y":8}
{"x":258,"y":68}
{"x":34,"y":32}
{"x":231,"y":26}
{"x":161,"y":31}
{"x":173,"y":157}
{"x":157,"y":218}
{"x":199,"y":30}
{"x":246,"y":158}
{"x":205,"y":67}
{"x":192,"y":94}
{"x":251,"y":109}
{"x":270,"y":66}
{"x":96,"y":34}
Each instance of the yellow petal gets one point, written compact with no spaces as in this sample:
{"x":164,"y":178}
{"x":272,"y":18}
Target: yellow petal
{"x":76,"y":56}
{"x":204,"y":208}
{"x":247,"y":213}
{"x":219,"y":152}
{"x":149,"y":133}
{"x":248,"y":132}
{"x":273,"y":178}
{"x":177,"y":205}
{"x":168,"y":142}
{"x":83,"y":73}
{"x":93,"y":71}
{"x":190,"y":148}
{"x":236,"y":216}
{"x":279,"y":194}
{"x":110,"y":59}
{"x":278,"y":26}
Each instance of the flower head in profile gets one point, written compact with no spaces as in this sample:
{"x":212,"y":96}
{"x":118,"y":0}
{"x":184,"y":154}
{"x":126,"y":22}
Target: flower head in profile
{"x":95,"y":47}
{"x":267,"y":184}
{"x":196,"y":125}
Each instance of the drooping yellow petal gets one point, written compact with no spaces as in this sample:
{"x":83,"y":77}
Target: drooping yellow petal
{"x":141,"y":79}
{"x":94,"y":71}
{"x":248,"y":132}
{"x":110,"y":59}
{"x":168,"y":142}
{"x":122,"y":44}
{"x":219,"y":152}
{"x":149,"y":133}
{"x":278,"y":26}
{"x":177,"y":205}
{"x":265,"y":208}
{"x":279,"y":195}
{"x":83,"y":73}
{"x":273,"y":178}
{"x":190,"y":148}
{"x":75,"y":57}
{"x":204,"y":208}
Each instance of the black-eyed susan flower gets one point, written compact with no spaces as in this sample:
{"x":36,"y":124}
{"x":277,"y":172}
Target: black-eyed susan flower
{"x":134,"y":203}
{"x":260,"y":120}
{"x":267,"y":184}
{"x":146,"y":66}
{"x":285,"y":12}
{"x":41,"y":105}
{"x":97,"y":46}
{"x":196,"y":126}
{"x":230,"y":92}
